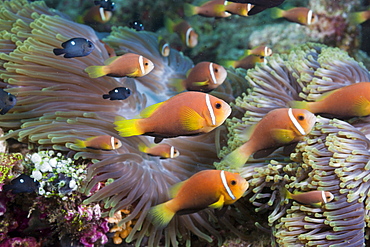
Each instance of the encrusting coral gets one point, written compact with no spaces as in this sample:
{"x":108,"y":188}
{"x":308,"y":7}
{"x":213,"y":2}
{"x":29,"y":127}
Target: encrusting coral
{"x":333,"y":157}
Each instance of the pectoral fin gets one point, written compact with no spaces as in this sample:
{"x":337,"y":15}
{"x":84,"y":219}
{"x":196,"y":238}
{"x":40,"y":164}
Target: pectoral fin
{"x":190,"y":119}
{"x":200,"y":83}
{"x":362,"y":106}
{"x":219,"y":203}
{"x":282,"y":135}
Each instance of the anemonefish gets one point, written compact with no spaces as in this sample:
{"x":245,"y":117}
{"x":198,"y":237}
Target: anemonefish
{"x":129,"y":64}
{"x":203,"y":77}
{"x":187,"y":113}
{"x":259,"y":5}
{"x":300,"y":15}
{"x":164,"y":47}
{"x":94,"y":15}
{"x":162,"y":150}
{"x":348,"y":101}
{"x":315,"y":198}
{"x":241,"y":9}
{"x":277,"y":128}
{"x":208,"y":188}
{"x":103,"y":142}
{"x":76,"y":47}
{"x":7,"y":101}
{"x":245,"y":62}
{"x":261,"y":50}
{"x":213,"y":8}
{"x":187,"y":34}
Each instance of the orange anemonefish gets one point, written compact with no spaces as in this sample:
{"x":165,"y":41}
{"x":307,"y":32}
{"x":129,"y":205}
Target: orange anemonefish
{"x":214,"y":188}
{"x":213,"y":8}
{"x":241,"y":9}
{"x":95,"y":14}
{"x":129,"y":64}
{"x":245,"y":62}
{"x":259,"y":5}
{"x":261,"y":50}
{"x":162,"y":150}
{"x":203,"y":77}
{"x":300,"y":15}
{"x":348,"y":101}
{"x":187,"y":113}
{"x":315,"y":198}
{"x":103,"y":142}
{"x":277,"y":128}
{"x":187,"y":34}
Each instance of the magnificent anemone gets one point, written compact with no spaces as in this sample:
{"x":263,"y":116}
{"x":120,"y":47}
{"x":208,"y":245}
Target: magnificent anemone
{"x":333,"y":157}
{"x":58,"y":103}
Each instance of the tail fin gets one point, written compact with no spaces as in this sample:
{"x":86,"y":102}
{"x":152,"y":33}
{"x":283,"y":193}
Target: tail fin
{"x":228,"y":63}
{"x":161,"y":215}
{"x":80,"y":143}
{"x":237,"y":158}
{"x":285,"y":193}
{"x":169,"y":24}
{"x":142,"y":147}
{"x":128,"y":127}
{"x":299,"y":104}
{"x":95,"y":71}
{"x":358,"y":17}
{"x":58,"y":51}
{"x":189,"y":9}
{"x":177,"y":84}
{"x":276,"y":13}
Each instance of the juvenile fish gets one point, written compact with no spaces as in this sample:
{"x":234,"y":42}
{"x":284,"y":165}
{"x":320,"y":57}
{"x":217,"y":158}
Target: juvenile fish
{"x":76,"y":47}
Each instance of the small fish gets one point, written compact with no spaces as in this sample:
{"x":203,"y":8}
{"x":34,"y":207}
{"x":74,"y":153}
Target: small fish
{"x":356,"y":18}
{"x":76,"y":47}
{"x":129,"y":64}
{"x":95,"y":15}
{"x":22,"y":184}
{"x":7,"y":101}
{"x":162,"y":150}
{"x":348,"y":101}
{"x":203,"y":77}
{"x":315,"y":198}
{"x":277,"y":128}
{"x":208,"y":188}
{"x":241,"y":9}
{"x":119,"y":93}
{"x":259,"y":5}
{"x":300,"y":15}
{"x":245,"y":62}
{"x":164,"y":47}
{"x":261,"y":50}
{"x":105,"y":4}
{"x":103,"y":142}
{"x":137,"y":25}
{"x":213,"y":8}
{"x":187,"y":113}
{"x":187,"y":34}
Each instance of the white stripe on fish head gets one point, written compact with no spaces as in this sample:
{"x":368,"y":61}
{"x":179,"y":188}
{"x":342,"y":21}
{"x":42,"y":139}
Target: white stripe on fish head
{"x":295,"y":122}
{"x":187,"y":36}
{"x":172,"y":152}
{"x":164,"y":47}
{"x":323,"y":196}
{"x":210,"y":110}
{"x":212,"y":73}
{"x":224,"y":182}
{"x":268,"y":51}
{"x":141,"y":63}
{"x":102,"y":14}
{"x":309,"y":17}
{"x":112,"y":142}
{"x":225,"y":3}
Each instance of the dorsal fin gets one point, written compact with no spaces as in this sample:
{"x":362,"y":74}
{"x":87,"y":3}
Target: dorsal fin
{"x":148,"y":111}
{"x":110,"y":60}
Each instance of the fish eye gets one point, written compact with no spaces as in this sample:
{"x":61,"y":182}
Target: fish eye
{"x":233,"y":182}
{"x":216,"y":70}
{"x":300,"y":117}
{"x":146,"y":64}
{"x":218,"y":106}
{"x":116,"y":143}
{"x":11,"y":98}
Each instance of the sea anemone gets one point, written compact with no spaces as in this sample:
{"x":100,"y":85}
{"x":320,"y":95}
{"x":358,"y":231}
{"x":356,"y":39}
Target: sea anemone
{"x":333,"y":157}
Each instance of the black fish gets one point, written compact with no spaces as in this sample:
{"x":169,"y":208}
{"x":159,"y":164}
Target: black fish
{"x":22,"y":184}
{"x":7,"y":101}
{"x":76,"y":47}
{"x":105,"y":4}
{"x":259,"y":5}
{"x":119,"y":93}
{"x":137,"y":25}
